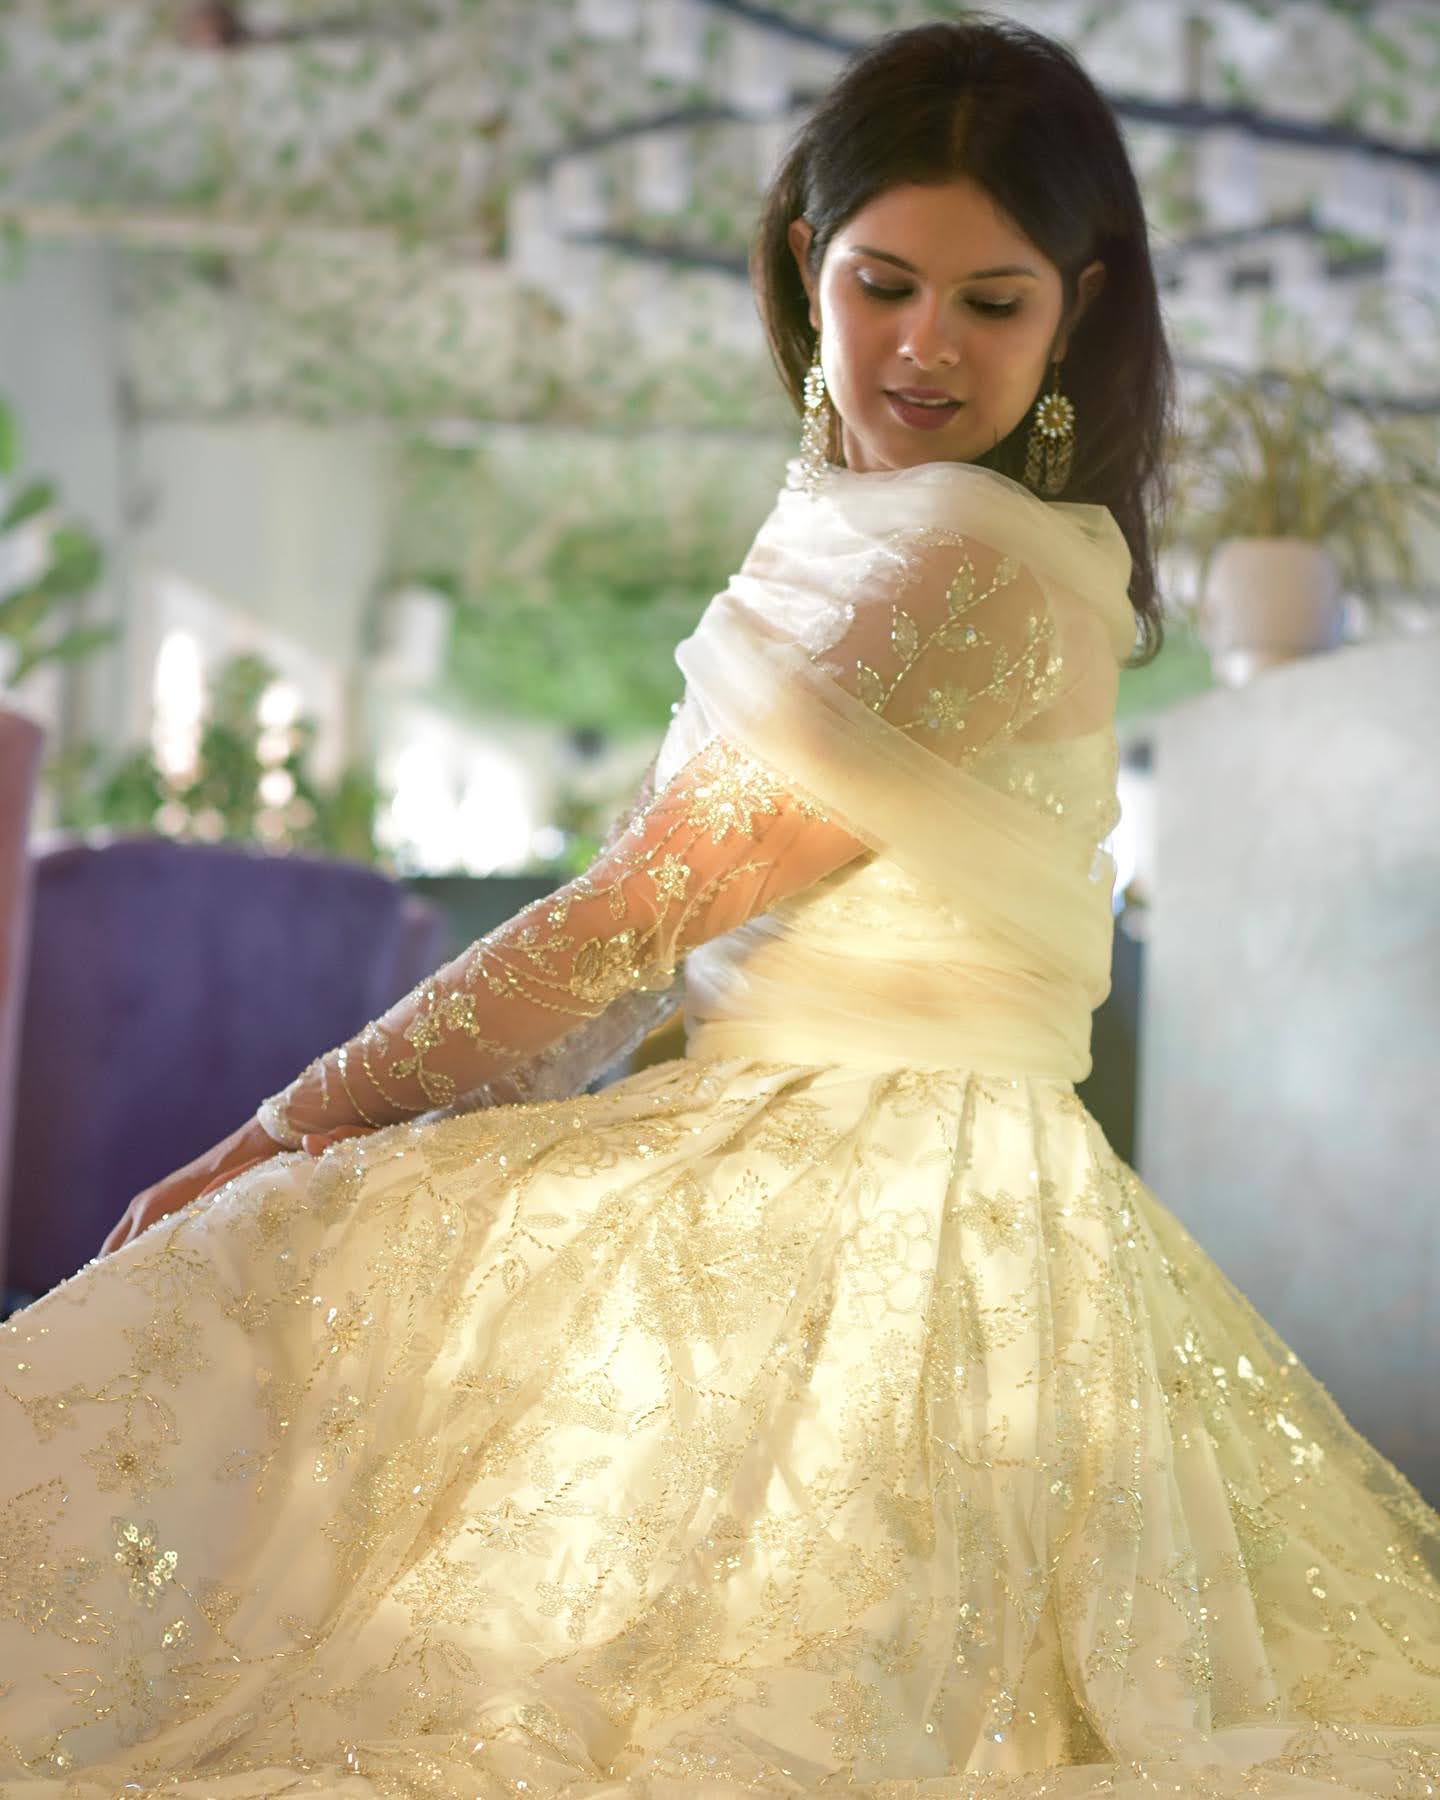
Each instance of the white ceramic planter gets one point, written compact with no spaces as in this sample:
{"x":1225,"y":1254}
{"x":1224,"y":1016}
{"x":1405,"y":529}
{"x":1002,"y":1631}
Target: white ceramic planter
{"x":1268,"y":601}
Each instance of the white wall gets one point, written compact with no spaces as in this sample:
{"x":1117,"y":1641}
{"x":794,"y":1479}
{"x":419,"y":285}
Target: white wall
{"x":285,"y":521}
{"x":269,"y":535}
{"x":58,"y":370}
{"x":1290,"y":1037}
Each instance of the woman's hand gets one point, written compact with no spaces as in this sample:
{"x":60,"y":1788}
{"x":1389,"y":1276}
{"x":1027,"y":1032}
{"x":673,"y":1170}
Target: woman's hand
{"x":243,"y":1149}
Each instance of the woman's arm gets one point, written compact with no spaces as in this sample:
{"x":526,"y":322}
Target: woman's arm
{"x":569,"y":1063}
{"x":725,"y":840}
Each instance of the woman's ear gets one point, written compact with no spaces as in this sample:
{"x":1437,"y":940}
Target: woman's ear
{"x":1092,"y":279}
{"x":800,"y":234}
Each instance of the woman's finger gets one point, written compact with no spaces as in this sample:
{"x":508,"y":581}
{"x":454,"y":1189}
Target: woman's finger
{"x":120,"y":1233}
{"x":315,"y":1142}
{"x":221,"y":1180}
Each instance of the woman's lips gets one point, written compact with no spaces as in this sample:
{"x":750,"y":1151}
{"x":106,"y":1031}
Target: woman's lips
{"x":923,"y":418}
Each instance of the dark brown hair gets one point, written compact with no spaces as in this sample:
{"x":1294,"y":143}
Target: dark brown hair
{"x":989,"y":99}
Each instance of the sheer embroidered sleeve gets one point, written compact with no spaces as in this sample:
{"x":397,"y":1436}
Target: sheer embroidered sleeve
{"x":723,"y":841}
{"x":961,"y":646}
{"x":568,"y":1064}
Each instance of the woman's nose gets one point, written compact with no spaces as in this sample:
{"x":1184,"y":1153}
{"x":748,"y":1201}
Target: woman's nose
{"x":925,"y":341}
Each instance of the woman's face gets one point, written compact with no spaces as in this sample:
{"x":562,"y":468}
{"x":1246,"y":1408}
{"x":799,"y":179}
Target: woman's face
{"x":908,"y":297}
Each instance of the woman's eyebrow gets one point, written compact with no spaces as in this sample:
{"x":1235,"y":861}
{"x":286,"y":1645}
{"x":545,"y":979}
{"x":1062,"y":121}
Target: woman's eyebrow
{"x":974,"y":275}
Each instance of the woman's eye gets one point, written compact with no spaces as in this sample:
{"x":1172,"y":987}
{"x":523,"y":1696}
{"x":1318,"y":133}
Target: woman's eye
{"x":884,"y":293}
{"x":998,"y":309}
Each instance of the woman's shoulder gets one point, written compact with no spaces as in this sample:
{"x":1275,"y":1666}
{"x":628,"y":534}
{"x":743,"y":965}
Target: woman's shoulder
{"x":928,"y":516}
{"x":963,"y":495}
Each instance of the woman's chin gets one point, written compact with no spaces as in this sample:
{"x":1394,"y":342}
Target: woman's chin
{"x":915,"y":455}
{"x":895,"y":447}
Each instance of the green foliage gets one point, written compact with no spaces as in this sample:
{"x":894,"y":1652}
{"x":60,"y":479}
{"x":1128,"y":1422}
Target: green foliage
{"x":577,"y":655}
{"x":227,"y":780}
{"x":1184,"y":669}
{"x":577,"y":564}
{"x":37,"y":498}
{"x":122,"y":795}
{"x":221,"y":801}
{"x":345,"y":818}
{"x":36,"y":616}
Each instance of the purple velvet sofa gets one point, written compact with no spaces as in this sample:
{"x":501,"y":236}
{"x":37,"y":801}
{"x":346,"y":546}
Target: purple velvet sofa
{"x":171,"y":988}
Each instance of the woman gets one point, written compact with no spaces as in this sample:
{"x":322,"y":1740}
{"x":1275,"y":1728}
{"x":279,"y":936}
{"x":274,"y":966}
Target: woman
{"x":829,"y":1407}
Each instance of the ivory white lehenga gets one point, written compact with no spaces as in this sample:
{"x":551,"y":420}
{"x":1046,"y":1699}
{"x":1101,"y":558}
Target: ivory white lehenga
{"x":827,"y":1408}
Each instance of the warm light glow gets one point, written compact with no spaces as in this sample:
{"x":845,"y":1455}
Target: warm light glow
{"x":274,"y":746}
{"x":279,"y":705}
{"x":276,"y":787}
{"x":458,"y":805}
{"x":418,"y":826}
{"x":1129,"y":842}
{"x":494,"y":826}
{"x":179,"y":702}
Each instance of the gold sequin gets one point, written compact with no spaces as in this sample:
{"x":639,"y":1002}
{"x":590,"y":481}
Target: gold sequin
{"x":145,"y":1566}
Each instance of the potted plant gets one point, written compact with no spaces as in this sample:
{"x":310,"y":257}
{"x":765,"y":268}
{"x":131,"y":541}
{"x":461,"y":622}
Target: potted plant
{"x":1286,"y":494}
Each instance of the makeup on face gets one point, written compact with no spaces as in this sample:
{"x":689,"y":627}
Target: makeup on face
{"x":939,"y":318}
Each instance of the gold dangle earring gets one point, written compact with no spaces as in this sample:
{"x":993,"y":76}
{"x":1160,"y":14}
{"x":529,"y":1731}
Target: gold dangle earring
{"x":1051,"y":444}
{"x":815,"y":430}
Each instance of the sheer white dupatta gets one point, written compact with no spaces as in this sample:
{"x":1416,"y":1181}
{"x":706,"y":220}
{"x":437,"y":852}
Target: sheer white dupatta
{"x":795,"y":663}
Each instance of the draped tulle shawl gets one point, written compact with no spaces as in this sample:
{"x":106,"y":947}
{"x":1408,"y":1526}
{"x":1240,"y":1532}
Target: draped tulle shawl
{"x":1034,"y":906}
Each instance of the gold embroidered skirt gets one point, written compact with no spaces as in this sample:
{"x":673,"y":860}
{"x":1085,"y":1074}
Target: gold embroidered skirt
{"x":745,"y":1427}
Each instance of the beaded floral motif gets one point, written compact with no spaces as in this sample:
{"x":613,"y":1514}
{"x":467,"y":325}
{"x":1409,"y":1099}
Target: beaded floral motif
{"x":681,"y":859}
{"x":983,"y":644}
